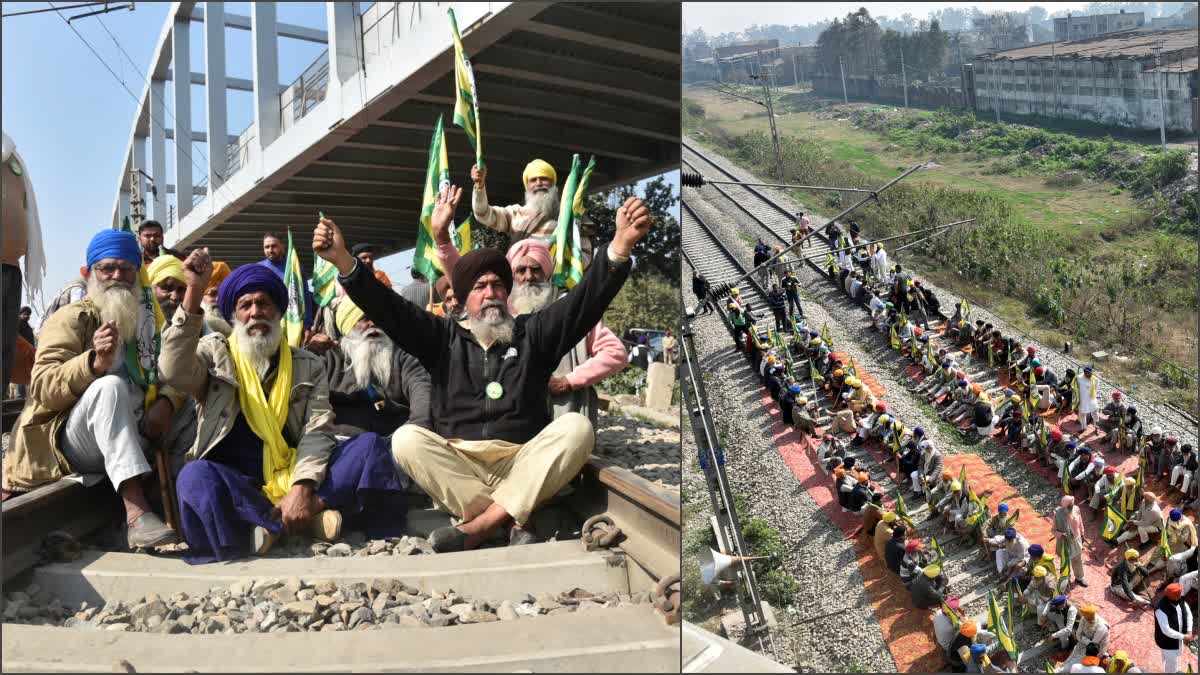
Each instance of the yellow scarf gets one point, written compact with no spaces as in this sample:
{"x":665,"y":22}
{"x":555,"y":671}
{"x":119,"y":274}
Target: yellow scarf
{"x":267,"y":417}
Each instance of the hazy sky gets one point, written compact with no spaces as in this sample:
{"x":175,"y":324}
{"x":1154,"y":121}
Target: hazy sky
{"x":721,"y":17}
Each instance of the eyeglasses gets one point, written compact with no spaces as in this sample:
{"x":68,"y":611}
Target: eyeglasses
{"x":112,"y":269}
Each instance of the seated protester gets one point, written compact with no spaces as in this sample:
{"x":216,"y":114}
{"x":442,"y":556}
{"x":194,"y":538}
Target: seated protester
{"x":774,"y":380}
{"x":1065,"y":395}
{"x":991,"y":532}
{"x":894,"y":550}
{"x":982,"y":417}
{"x":787,"y":401}
{"x":804,"y":416}
{"x":954,"y":505}
{"x":1114,"y":411}
{"x":861,"y":494}
{"x":1040,"y":590}
{"x":1012,"y":556}
{"x":266,"y":463}
{"x":1119,"y":663}
{"x":1014,"y":425}
{"x":1090,"y":662}
{"x":1146,"y":521}
{"x":212,"y":316}
{"x":1101,"y":488}
{"x":884,"y":532}
{"x":1059,"y":616}
{"x":930,"y":467}
{"x":878,"y":308}
{"x":1181,"y":539}
{"x":1184,"y":469}
{"x":870,"y":423}
{"x":944,"y":630}
{"x":872,"y":513}
{"x":912,"y":565}
{"x":1132,"y":438}
{"x":832,"y":453}
{"x":536,"y":218}
{"x":1091,"y":631}
{"x":860,"y":397}
{"x":96,"y":407}
{"x":910,"y":459}
{"x":1083,"y":479}
{"x":1155,"y":452}
{"x":373,"y":386}
{"x":843,"y":484}
{"x":495,"y":455}
{"x":1056,"y":450}
{"x":929,"y":588}
{"x":939,"y":490}
{"x":1129,"y":578}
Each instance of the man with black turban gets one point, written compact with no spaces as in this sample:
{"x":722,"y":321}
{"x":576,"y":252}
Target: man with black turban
{"x":493,"y":455}
{"x":265,"y":459}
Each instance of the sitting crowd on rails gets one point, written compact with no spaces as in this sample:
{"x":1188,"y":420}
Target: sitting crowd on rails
{"x":800,"y":370}
{"x":484,"y":401}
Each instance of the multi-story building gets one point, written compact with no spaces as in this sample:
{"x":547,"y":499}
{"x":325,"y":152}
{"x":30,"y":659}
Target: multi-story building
{"x":1113,"y":79}
{"x":1083,"y":27}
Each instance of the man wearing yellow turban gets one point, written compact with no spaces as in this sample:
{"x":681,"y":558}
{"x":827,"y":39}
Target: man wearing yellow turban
{"x":537,"y":217}
{"x":166,"y":278}
{"x":373,"y":385}
{"x":213,"y":318}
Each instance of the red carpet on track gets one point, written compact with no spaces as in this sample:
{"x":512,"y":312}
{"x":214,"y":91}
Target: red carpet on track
{"x":908,"y":630}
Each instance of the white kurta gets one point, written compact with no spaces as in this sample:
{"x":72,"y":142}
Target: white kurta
{"x":1087,"y":394}
{"x":879,"y":263}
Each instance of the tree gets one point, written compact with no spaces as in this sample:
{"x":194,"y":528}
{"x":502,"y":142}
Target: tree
{"x":658,"y":251}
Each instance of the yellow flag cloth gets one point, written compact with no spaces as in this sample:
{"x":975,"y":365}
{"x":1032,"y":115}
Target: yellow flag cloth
{"x":267,"y":417}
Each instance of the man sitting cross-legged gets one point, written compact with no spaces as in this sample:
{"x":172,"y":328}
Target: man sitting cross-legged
{"x":494,"y":455}
{"x":265,"y":460}
{"x":96,"y":406}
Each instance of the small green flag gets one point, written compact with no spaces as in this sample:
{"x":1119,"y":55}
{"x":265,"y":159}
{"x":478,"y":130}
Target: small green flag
{"x":466,"y":102}
{"x":293,"y":318}
{"x":565,"y":247}
{"x":1000,"y":628}
{"x":324,"y":282}
{"x":437,"y":178}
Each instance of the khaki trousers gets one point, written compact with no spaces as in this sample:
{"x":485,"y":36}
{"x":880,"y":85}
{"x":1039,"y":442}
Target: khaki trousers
{"x":464,"y":478}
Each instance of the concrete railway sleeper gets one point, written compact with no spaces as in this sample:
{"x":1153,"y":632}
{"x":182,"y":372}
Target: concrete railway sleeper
{"x":502,"y":608}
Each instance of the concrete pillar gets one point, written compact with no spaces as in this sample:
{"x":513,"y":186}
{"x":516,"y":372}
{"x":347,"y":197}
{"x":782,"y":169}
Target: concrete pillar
{"x":123,"y":209}
{"x":158,"y":150}
{"x":214,"y":74}
{"x":181,"y":58}
{"x":343,"y":20}
{"x":137,"y":160}
{"x":265,"y":44}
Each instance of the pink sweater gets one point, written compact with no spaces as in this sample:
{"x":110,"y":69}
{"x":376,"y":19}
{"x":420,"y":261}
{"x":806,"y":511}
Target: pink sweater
{"x":606,"y":353}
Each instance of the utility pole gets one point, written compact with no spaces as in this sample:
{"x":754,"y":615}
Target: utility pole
{"x":795,"y":79}
{"x":904,"y":74}
{"x":1162,"y":114}
{"x":137,"y":201}
{"x":996,"y":85}
{"x":774,"y":131}
{"x":842,"y":67}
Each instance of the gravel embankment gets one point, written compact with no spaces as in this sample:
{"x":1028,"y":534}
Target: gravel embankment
{"x":647,"y":449}
{"x":295,"y":605}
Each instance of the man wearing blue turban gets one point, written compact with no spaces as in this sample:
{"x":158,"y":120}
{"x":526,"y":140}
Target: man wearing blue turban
{"x":96,"y":407}
{"x":265,"y":461}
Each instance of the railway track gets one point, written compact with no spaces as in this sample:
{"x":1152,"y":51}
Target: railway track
{"x":630,"y":637}
{"x":969,"y":573}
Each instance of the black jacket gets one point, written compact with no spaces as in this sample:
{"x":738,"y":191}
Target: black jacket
{"x":893,"y":554}
{"x":459,"y":368}
{"x":406,"y":398}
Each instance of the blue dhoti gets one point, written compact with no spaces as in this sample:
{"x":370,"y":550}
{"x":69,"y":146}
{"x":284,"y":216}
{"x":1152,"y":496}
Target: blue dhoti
{"x":221,"y":497}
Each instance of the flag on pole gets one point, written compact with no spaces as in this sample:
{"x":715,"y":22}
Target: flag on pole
{"x":852,"y":369}
{"x":825,"y":334}
{"x":293,"y":318}
{"x":437,"y":178}
{"x":1012,"y":520}
{"x":1064,"y":564}
{"x":1000,"y":628}
{"x":962,"y":478}
{"x":1048,"y":666}
{"x":1065,"y":477}
{"x":955,"y":617}
{"x":902,"y":510}
{"x":1164,"y":544}
{"x":937,"y":548}
{"x":1113,"y":522}
{"x":324,"y":281}
{"x":966,"y":309}
{"x":466,"y":102}
{"x":895,"y":339}
{"x":565,"y":247}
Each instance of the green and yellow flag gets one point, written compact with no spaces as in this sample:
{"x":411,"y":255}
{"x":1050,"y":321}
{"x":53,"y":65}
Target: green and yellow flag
{"x":962,"y":478}
{"x":437,"y":178}
{"x":1064,"y":564}
{"x":937,"y":548}
{"x":1164,"y":544}
{"x":1011,"y":521}
{"x":293,"y":317}
{"x":324,"y":281}
{"x":1113,"y":522}
{"x":998,"y":626}
{"x":955,"y":617}
{"x":902,"y":510}
{"x":565,"y":247}
{"x":466,"y":103}
{"x":812,"y":372}
{"x":1049,"y":667}
{"x":825,"y":335}
{"x":895,"y":339}
{"x":1064,"y":477}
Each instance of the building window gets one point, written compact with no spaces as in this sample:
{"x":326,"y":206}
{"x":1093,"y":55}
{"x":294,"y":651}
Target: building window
{"x":1019,"y":72}
{"x":1130,"y":94}
{"x":1149,"y":93}
{"x":1067,"y":89}
{"x":1007,"y":86}
{"x":1172,"y":94}
{"x":1020,"y":87}
{"x":1085,"y":91}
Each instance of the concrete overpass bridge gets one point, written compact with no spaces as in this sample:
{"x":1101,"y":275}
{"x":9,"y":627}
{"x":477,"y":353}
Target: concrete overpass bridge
{"x":351,"y":136}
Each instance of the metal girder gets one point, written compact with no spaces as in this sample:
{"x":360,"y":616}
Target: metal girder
{"x":200,"y":136}
{"x":579,"y":74}
{"x":196,"y":189}
{"x":287,"y":30}
{"x":599,"y":28}
{"x":234,"y":83}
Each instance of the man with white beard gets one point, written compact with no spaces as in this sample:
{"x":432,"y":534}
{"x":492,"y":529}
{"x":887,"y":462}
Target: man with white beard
{"x":265,"y":461}
{"x":537,"y":217}
{"x":212,"y":316}
{"x":599,"y":356}
{"x":373,"y":386}
{"x":96,"y":407}
{"x":494,"y":454}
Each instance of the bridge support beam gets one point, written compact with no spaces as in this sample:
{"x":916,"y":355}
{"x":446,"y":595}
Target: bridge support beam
{"x":158,"y":150}
{"x":182,"y":59}
{"x":264,"y":31}
{"x":214,"y":72}
{"x":344,"y":37}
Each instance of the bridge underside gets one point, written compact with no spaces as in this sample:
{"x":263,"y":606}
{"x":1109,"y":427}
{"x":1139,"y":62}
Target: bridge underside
{"x":553,"y":80}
